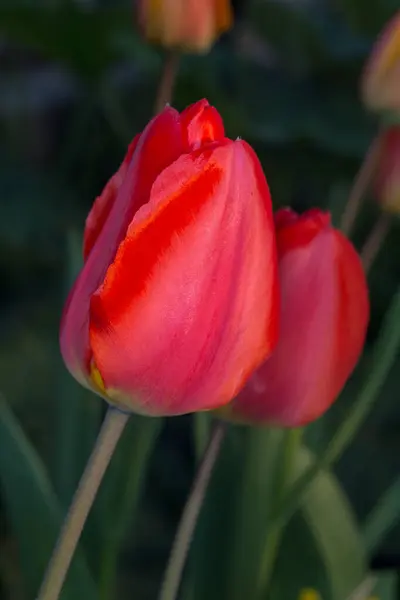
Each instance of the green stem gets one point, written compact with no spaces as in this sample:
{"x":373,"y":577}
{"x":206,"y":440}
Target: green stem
{"x":291,"y":445}
{"x":360,"y":186}
{"x":167,"y":81}
{"x":202,"y":428}
{"x":384,"y":515}
{"x":180,"y":548}
{"x":375,"y":240}
{"x":138,"y":445}
{"x":384,"y":356}
{"x":364,"y":590}
{"x":106,"y":442}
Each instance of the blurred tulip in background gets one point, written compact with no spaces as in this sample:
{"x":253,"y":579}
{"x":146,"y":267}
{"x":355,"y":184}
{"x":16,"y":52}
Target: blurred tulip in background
{"x":191,"y":25}
{"x":380,"y":82}
{"x":387,"y":184}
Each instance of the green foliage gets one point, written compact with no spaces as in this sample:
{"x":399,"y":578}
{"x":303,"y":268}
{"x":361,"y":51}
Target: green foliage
{"x":237,"y":518}
{"x":34,"y":511}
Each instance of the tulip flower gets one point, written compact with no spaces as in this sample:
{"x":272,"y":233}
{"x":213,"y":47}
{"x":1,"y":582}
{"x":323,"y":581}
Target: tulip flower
{"x":176,"y":304}
{"x":191,"y":25}
{"x":380,"y":83}
{"x":387,"y":182}
{"x":324,"y":317}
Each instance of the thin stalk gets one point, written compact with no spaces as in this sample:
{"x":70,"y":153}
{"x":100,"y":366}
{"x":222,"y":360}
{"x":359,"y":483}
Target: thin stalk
{"x":180,"y":548}
{"x":360,"y":186}
{"x":383,"y":517}
{"x":167,"y":81}
{"x":375,"y":240}
{"x":291,"y":445}
{"x":364,"y":590}
{"x":138,"y":444}
{"x":85,"y":494}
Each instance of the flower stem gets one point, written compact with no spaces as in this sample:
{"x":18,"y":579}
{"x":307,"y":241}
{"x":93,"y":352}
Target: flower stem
{"x":180,"y":548}
{"x":292,"y":440}
{"x":360,"y":186}
{"x":375,"y":240}
{"x":167,"y":81}
{"x":106,"y":442}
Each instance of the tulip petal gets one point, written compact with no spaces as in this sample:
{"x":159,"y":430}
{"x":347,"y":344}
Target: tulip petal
{"x":173,"y":320}
{"x":102,"y":205}
{"x":353,"y":310}
{"x":150,"y":157}
{"x":325,"y":313}
{"x":201,"y":124}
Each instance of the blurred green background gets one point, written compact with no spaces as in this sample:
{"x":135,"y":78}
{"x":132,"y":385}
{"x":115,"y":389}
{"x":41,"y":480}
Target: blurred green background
{"x":76,"y":83}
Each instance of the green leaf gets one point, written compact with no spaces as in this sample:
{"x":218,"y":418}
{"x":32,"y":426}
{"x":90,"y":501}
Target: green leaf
{"x":384,"y":515}
{"x":33,"y":511}
{"x":322,"y":547}
{"x":261,"y":481}
{"x":209,"y":564}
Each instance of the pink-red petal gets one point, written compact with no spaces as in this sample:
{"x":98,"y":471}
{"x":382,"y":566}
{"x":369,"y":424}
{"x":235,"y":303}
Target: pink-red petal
{"x":151,"y":155}
{"x":103,"y":204}
{"x":324,"y":317}
{"x":187,"y":309}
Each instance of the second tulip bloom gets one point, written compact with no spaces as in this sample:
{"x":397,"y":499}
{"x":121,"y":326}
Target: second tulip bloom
{"x":324,"y":318}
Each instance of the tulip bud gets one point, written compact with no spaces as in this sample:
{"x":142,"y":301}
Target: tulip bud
{"x":387,"y":183}
{"x":324,"y":317}
{"x":176,"y":304}
{"x":380,"y":82}
{"x":191,"y":25}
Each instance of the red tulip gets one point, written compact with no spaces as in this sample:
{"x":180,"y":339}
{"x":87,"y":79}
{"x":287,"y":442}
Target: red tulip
{"x":185,"y":24}
{"x":387,"y":183}
{"x":176,"y":303}
{"x":324,"y":318}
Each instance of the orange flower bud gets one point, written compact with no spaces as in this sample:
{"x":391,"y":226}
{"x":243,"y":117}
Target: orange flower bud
{"x":387,"y":184}
{"x":381,"y":80}
{"x":191,"y":25}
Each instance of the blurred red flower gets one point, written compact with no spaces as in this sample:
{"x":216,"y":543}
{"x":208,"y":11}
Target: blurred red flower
{"x":387,"y":182}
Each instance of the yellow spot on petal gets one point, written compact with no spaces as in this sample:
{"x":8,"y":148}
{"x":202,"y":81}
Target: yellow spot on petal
{"x":309,"y":594}
{"x":97,"y":379}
